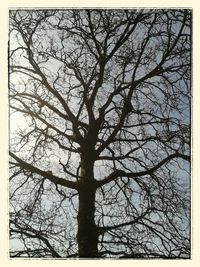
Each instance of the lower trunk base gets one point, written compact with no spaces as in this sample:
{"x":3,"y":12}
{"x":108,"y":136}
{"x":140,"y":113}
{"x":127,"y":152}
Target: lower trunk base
{"x":87,"y":243}
{"x":87,"y":235}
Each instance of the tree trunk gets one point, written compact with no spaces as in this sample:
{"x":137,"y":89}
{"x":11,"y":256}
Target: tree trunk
{"x":87,"y":232}
{"x":87,"y":236}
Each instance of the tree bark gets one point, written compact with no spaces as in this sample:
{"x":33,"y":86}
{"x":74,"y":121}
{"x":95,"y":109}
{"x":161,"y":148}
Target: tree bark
{"x":87,"y":235}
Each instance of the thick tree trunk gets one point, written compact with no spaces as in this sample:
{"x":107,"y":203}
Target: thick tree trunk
{"x":87,"y":232}
{"x":87,"y":236}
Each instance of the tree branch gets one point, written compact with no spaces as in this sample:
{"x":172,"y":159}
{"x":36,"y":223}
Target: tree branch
{"x":36,"y":235}
{"x":107,"y":228}
{"x":56,"y":180}
{"x":118,"y":173}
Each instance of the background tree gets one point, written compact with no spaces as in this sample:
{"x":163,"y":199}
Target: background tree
{"x":100,"y":133}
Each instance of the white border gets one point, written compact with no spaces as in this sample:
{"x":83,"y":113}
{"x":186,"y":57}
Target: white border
{"x":4,"y":257}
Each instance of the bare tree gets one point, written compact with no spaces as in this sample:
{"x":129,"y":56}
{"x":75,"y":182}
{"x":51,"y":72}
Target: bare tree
{"x":100,"y":133}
